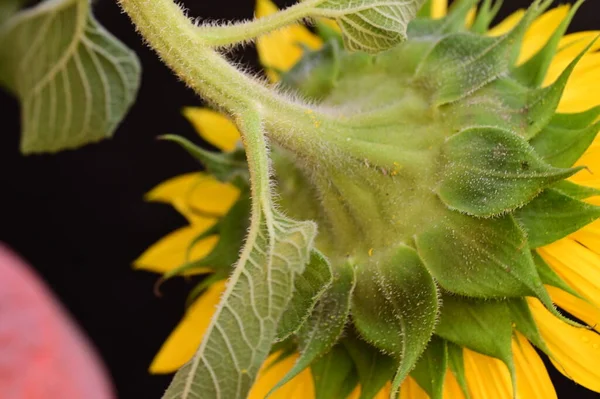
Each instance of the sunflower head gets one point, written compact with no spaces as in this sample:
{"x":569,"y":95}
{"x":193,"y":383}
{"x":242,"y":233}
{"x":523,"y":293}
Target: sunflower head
{"x":442,"y":174}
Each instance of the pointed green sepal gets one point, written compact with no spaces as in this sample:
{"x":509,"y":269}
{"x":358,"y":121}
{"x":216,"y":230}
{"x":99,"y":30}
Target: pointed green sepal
{"x":533,"y":72}
{"x":543,"y":102}
{"x":525,"y":324}
{"x":575,"y":190}
{"x":395,"y":307}
{"x":334,"y":374}
{"x":454,"y":21}
{"x":328,"y":33}
{"x":462,"y":63}
{"x":309,"y":287}
{"x":549,"y":276}
{"x":323,"y":327}
{"x":485,"y":15}
{"x":374,"y":368}
{"x":490,"y":171}
{"x":232,"y":229}
{"x":316,"y":73}
{"x":225,"y":166}
{"x":561,"y":147}
{"x":480,"y":325}
{"x":425,"y":10}
{"x":430,"y":370}
{"x":482,"y":258}
{"x":456,"y":364}
{"x":203,"y":286}
{"x":553,"y":215}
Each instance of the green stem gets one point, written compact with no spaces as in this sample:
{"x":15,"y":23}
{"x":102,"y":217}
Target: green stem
{"x":249,"y":30}
{"x":182,"y":47}
{"x":179,"y":43}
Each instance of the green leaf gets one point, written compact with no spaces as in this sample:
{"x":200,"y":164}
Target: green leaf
{"x":576,"y":191}
{"x":225,"y":166}
{"x":334,"y":374}
{"x":456,"y":363}
{"x":483,"y":258}
{"x":395,"y":306}
{"x":245,"y":323}
{"x":553,"y":215}
{"x":74,"y":79}
{"x":371,"y":25}
{"x":490,"y":171}
{"x":244,"y":326}
{"x":8,"y":8}
{"x":430,"y":370}
{"x":309,"y":287}
{"x":325,"y":324}
{"x":483,"y":326}
{"x":525,"y":324}
{"x":374,"y":368}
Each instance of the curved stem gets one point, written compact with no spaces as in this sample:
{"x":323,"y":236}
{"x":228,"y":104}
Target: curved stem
{"x":250,"y":30}
{"x":182,"y":47}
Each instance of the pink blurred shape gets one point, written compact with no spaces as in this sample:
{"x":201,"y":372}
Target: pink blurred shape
{"x":43,"y":354}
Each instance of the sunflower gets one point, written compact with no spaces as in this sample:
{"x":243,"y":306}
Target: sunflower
{"x":571,"y":264}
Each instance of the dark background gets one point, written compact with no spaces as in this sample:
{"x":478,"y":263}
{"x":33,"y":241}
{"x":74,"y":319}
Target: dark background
{"x":79,"y":217}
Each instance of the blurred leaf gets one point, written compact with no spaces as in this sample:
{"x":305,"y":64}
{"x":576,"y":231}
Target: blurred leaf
{"x":74,"y":79}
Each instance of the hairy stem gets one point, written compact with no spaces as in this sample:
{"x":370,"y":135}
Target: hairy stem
{"x":249,"y":30}
{"x":182,"y":47}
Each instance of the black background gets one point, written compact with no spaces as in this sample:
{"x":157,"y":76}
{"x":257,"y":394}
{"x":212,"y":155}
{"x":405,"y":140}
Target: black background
{"x":79,"y":217}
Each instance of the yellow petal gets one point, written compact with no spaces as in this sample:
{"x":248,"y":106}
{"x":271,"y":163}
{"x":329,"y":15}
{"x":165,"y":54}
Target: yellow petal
{"x":533,"y":380}
{"x":579,"y":308}
{"x":540,"y":31}
{"x":487,"y":378}
{"x":439,"y":9}
{"x":411,"y":390}
{"x":570,"y":47}
{"x":577,"y":95}
{"x":577,"y":265}
{"x":170,"y":251}
{"x":574,"y":43}
{"x":589,"y":236}
{"x":185,"y":339}
{"x":280,"y":50}
{"x":196,"y":195}
{"x":213,"y":127}
{"x":385,"y":392}
{"x":300,"y":387}
{"x":212,"y":197}
{"x":507,"y":24}
{"x":471,"y":15}
{"x":451,"y":388}
{"x":575,"y":351}
{"x":590,"y":176}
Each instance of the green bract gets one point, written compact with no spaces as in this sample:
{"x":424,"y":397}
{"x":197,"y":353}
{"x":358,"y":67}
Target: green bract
{"x":432,"y":170}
